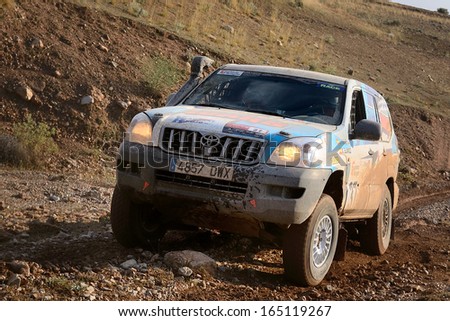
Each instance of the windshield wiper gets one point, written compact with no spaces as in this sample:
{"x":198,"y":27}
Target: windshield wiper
{"x":267,"y":112}
{"x":213,"y":105}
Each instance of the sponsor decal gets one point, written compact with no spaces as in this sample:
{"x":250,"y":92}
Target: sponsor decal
{"x":235,"y":73}
{"x":191,"y":120}
{"x":330,"y":86}
{"x":242,"y":129}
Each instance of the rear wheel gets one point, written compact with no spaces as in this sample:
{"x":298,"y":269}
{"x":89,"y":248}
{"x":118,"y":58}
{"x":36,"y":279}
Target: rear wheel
{"x":309,"y":248}
{"x":376,"y":234}
{"x":134,"y":224}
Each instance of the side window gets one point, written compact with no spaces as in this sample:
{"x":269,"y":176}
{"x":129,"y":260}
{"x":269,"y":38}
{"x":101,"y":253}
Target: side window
{"x":371,"y":107}
{"x":385,"y":119}
{"x":358,"y":111}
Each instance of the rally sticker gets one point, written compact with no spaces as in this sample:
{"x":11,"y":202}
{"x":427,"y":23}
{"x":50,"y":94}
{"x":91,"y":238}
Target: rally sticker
{"x":331,"y":86}
{"x":235,"y":73}
{"x":184,"y":120}
{"x":242,"y":129}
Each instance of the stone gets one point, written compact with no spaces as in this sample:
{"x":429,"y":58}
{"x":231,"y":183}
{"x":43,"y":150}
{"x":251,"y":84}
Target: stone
{"x":57,"y":73}
{"x":350,"y":71}
{"x":128,"y":264}
{"x":114,"y":64}
{"x":38,"y":85}
{"x":212,"y":37}
{"x":3,"y":206}
{"x":87,"y":100}
{"x":36,"y":43}
{"x":54,"y":198}
{"x":19,"y":267}
{"x":185,"y":271}
{"x":122,"y":104}
{"x":103,"y":48}
{"x":96,"y":94}
{"x":24,"y":92}
{"x":13,"y":280}
{"x":280,"y":43}
{"x":228,"y":28}
{"x":147,"y":254}
{"x":196,"y":261}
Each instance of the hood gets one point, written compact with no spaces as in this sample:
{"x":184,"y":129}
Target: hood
{"x":209,"y":120}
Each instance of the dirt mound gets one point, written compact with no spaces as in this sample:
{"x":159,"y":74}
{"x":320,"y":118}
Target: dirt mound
{"x":62,"y":52}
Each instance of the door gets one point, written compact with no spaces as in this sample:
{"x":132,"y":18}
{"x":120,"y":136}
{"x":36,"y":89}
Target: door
{"x":362,"y":188}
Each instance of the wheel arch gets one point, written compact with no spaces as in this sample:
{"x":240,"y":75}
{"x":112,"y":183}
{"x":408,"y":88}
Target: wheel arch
{"x":335,"y":188}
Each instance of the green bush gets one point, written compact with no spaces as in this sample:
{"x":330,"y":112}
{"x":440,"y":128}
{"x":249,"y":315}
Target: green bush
{"x":160,"y":74}
{"x":31,"y":145}
{"x":443,"y":11}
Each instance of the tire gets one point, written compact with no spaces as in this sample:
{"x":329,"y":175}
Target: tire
{"x":306,"y":258}
{"x":135,"y":224}
{"x":376,"y":234}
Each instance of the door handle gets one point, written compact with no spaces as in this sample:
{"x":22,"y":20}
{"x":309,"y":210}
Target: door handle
{"x":371,"y":152}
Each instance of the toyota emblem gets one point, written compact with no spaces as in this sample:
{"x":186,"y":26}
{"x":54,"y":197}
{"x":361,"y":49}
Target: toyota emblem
{"x":209,"y":141}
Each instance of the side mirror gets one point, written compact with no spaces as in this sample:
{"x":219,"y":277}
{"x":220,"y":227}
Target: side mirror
{"x":367,"y":130}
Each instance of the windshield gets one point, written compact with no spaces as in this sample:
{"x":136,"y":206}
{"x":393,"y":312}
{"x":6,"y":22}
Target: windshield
{"x":284,"y":96}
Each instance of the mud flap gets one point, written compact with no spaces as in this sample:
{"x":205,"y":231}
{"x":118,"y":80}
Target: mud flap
{"x":393,"y":230}
{"x":341,"y":245}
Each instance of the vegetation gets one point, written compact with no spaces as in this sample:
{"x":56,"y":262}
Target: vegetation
{"x":30,"y":145}
{"x":160,"y":74}
{"x":443,"y":11}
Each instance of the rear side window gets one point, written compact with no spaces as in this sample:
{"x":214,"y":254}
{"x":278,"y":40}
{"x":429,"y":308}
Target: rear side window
{"x":385,"y":119}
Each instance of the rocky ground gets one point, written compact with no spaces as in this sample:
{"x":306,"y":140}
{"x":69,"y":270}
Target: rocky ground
{"x":56,"y":244}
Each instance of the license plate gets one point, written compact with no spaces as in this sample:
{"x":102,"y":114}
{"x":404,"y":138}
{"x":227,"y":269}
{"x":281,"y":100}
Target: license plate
{"x":200,"y":169}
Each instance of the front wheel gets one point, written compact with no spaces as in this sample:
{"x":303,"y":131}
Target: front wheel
{"x":309,"y":248}
{"x":135,"y":224}
{"x":376,"y":235}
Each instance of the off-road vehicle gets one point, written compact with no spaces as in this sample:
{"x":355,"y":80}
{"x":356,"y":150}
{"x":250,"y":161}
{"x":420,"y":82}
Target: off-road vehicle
{"x":293,"y":156}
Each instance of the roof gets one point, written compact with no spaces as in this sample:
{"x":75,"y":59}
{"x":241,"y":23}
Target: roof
{"x":289,"y":72}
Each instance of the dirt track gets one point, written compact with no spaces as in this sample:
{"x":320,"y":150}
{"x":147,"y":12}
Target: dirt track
{"x":58,"y":225}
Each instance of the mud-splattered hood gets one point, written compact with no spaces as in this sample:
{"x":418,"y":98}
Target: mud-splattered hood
{"x":209,"y":120}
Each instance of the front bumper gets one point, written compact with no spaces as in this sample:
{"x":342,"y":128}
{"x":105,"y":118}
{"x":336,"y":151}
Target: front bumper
{"x":265,"y":193}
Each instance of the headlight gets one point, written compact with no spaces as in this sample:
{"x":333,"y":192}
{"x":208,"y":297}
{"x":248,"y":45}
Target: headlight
{"x":286,"y":154}
{"x":140,"y":130}
{"x":300,"y":152}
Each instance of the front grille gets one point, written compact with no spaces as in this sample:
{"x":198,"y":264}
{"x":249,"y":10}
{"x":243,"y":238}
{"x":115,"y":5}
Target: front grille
{"x":212,"y":147}
{"x":203,"y":182}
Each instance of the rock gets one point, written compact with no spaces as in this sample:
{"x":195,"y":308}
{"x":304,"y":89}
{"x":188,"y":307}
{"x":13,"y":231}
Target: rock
{"x":350,"y":71}
{"x":128,"y":264}
{"x":211,"y":37}
{"x":147,"y":254}
{"x":36,"y":43}
{"x":96,"y":94}
{"x":114,"y":64}
{"x":89,"y":290}
{"x":197,"y":261}
{"x":19,"y":267}
{"x":3,"y":206}
{"x":87,"y":100}
{"x":185,"y":271}
{"x":24,"y":92}
{"x":54,"y":198}
{"x":372,"y":78}
{"x":280,"y":43}
{"x":228,"y":28}
{"x":103,"y":48}
{"x":330,"y":288}
{"x":38,"y":85}
{"x":13,"y":280}
{"x":122,"y":104}
{"x":57,"y":73}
